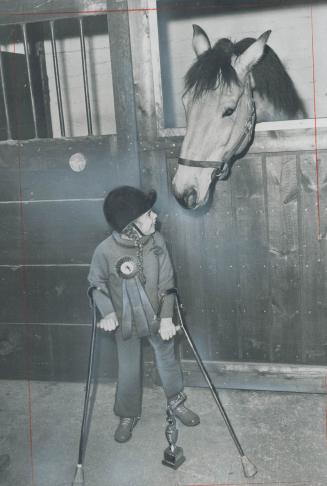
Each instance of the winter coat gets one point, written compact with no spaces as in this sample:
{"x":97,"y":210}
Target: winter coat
{"x":106,"y":274}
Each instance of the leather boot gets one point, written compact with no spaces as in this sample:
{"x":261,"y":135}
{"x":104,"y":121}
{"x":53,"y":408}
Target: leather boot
{"x":124,"y":430}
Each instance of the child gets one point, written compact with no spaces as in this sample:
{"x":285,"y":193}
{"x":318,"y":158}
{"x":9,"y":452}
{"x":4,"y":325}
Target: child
{"x":131,"y":270}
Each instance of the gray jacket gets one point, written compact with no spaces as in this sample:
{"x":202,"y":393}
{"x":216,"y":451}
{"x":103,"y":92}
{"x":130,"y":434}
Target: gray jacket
{"x":157,"y":269}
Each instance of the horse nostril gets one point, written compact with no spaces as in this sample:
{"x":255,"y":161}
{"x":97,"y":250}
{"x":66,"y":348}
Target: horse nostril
{"x":188,"y":199}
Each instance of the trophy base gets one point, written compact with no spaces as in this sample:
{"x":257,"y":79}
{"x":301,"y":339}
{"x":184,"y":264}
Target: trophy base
{"x":173,"y":459}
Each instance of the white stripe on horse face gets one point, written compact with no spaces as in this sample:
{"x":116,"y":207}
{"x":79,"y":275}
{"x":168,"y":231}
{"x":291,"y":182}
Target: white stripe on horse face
{"x":208,"y":129}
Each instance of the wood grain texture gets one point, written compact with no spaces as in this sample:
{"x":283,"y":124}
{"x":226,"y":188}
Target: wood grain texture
{"x":258,"y":376}
{"x":239,"y":265}
{"x":251,"y":237}
{"x":123,"y":89}
{"x":51,"y":232}
{"x":283,"y":235}
{"x":54,"y":294}
{"x":142,"y":70}
{"x":40,"y":169}
{"x":220,"y":269}
{"x":293,"y":138}
{"x":39,"y":10}
{"x":53,"y":352}
{"x":313,"y":265}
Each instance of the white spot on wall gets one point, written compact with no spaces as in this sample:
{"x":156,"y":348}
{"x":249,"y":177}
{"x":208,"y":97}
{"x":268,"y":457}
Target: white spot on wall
{"x":77,"y":162}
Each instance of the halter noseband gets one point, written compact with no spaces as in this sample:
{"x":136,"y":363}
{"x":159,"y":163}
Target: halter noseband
{"x":219,"y":165}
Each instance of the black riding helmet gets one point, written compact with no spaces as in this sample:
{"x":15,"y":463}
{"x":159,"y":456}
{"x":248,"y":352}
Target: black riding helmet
{"x":125,"y":204}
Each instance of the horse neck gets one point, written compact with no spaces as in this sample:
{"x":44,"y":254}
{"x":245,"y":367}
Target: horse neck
{"x":265,"y":110}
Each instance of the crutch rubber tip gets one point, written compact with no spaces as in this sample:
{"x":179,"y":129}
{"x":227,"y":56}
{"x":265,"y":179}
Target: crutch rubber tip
{"x":249,"y":469}
{"x":79,"y":476}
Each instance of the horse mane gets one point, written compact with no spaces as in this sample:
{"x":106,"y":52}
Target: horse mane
{"x":214,"y":67}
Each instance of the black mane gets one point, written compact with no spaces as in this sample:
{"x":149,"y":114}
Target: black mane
{"x":213,"y":68}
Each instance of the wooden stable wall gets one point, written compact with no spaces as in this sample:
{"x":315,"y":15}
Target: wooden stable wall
{"x":251,"y":271}
{"x":51,"y":220}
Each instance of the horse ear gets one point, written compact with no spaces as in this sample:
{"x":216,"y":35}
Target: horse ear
{"x":200,"y":40}
{"x":245,"y":62}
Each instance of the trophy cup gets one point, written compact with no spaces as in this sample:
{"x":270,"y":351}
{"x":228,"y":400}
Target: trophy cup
{"x":173,"y":454}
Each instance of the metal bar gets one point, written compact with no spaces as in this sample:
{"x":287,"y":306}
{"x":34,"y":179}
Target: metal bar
{"x":5,"y":98}
{"x":85,"y":78}
{"x":29,"y":74}
{"x":57,"y":79}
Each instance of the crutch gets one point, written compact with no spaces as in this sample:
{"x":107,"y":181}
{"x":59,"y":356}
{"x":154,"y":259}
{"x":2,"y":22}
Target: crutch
{"x":79,"y":472}
{"x":248,"y":467}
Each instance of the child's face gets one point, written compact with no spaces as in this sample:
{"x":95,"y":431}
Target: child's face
{"x":147,"y":222}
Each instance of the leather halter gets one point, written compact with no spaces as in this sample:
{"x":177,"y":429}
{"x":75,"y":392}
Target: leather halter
{"x":219,"y":165}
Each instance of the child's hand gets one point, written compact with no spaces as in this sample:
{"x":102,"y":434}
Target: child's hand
{"x":167,"y":328}
{"x":109,"y":322}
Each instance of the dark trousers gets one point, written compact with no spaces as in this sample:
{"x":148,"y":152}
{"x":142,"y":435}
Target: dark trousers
{"x":128,"y":402}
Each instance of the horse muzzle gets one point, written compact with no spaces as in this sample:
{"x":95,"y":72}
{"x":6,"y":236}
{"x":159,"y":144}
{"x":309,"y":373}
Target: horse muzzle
{"x":188,"y":199}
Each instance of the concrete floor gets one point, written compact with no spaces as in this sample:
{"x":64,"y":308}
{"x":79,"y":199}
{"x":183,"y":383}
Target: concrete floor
{"x":284,"y":435}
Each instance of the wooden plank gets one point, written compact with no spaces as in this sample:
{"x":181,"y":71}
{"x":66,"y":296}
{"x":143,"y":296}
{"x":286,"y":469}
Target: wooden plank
{"x":273,"y":140}
{"x":192,"y":278}
{"x":282,"y":215}
{"x":45,"y":294}
{"x":52,"y":232}
{"x":205,"y":274}
{"x":57,"y":295}
{"x":220,"y":272}
{"x":9,"y":169}
{"x":37,"y":11}
{"x":185,"y":235}
{"x":11,"y":291}
{"x":64,"y":232}
{"x":53,"y":352}
{"x":42,"y":169}
{"x":251,"y":235}
{"x":258,"y":376}
{"x":46,"y":172}
{"x":10,"y":234}
{"x":322,"y":180}
{"x":314,"y":261}
{"x":202,"y":247}
{"x":142,"y":70}
{"x":123,"y":89}
{"x":288,"y":140}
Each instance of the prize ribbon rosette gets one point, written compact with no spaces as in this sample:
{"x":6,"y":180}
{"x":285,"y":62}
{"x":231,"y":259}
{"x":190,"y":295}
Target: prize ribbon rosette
{"x":137,"y":307}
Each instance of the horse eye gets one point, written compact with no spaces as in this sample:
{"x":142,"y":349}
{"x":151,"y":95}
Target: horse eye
{"x":228,"y":112}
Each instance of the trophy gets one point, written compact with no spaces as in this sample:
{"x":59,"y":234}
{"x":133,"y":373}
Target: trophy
{"x":173,"y":454}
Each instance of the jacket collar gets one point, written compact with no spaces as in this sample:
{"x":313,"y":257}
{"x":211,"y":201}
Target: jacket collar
{"x":128,"y":243}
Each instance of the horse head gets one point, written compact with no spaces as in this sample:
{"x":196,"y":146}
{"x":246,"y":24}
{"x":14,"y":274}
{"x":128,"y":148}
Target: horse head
{"x":220,"y":115}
